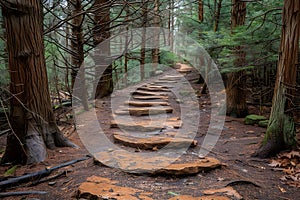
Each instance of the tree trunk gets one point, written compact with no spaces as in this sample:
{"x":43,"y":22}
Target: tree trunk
{"x":143,"y":50}
{"x":218,"y":7}
{"x":281,"y":130}
{"x":101,"y":35}
{"x":155,"y":50}
{"x":235,"y":85}
{"x":77,"y":46}
{"x":126,"y":45}
{"x":200,"y":11}
{"x":31,"y":116}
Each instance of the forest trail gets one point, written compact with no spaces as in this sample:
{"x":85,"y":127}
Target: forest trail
{"x":131,"y":160}
{"x":153,"y":137}
{"x":158,"y":142}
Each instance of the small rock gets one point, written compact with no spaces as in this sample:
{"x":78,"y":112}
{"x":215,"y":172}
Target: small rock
{"x":250,"y":132}
{"x":52,"y":183}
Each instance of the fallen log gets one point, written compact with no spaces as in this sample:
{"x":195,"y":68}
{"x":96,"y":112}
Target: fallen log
{"x":9,"y":194}
{"x":36,"y":175}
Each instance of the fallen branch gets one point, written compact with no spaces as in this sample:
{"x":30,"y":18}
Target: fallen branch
{"x":236,"y":182}
{"x":9,"y":194}
{"x":4,"y":132}
{"x":36,"y":175}
{"x":64,"y":173}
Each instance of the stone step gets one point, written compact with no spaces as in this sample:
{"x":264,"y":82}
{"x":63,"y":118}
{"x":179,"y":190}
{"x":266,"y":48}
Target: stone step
{"x":146,"y":93}
{"x":154,"y":89}
{"x":146,"y":125}
{"x":183,"y":68}
{"x":146,"y":103}
{"x":188,"y":197}
{"x":99,"y":188}
{"x":155,"y":86}
{"x":144,"y":111}
{"x":174,"y":76}
{"x":170,"y":78}
{"x":154,"y":142}
{"x":155,"y":163}
{"x":165,"y":82}
{"x":150,"y":97}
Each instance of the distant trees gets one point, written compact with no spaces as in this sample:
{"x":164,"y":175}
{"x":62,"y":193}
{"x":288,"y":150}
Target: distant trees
{"x":235,"y":84}
{"x":281,"y":128}
{"x":31,"y":117}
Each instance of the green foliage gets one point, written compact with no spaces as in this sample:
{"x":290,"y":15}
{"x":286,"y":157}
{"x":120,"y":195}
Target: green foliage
{"x":11,"y":171}
{"x":259,"y":37}
{"x":169,"y":59}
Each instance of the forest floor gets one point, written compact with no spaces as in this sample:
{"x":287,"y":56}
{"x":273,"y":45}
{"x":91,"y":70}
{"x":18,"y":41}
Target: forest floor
{"x":242,"y":176}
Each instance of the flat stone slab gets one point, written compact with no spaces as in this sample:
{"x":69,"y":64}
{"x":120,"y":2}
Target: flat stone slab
{"x":154,"y":89}
{"x":144,"y":111}
{"x":188,"y":197}
{"x":143,"y":125}
{"x":150,"y":97}
{"x":183,"y":68}
{"x":154,"y":163}
{"x":145,"y":93}
{"x":165,"y":81}
{"x":99,"y":188}
{"x":174,"y":76}
{"x":191,"y":167}
{"x":154,"y":142}
{"x":154,"y":85}
{"x":146,"y":103}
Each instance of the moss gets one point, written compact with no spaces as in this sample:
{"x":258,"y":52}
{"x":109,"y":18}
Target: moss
{"x":263,"y":123}
{"x":254,"y":119}
{"x":289,"y":132}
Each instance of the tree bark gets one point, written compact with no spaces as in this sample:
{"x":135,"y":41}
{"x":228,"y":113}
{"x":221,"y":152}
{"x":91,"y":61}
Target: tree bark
{"x":200,"y":11}
{"x":280,"y":133}
{"x":235,"y":85}
{"x":101,"y":34}
{"x":155,"y":50}
{"x":77,"y":46}
{"x":143,"y":45}
{"x":218,"y":7}
{"x":31,"y":116}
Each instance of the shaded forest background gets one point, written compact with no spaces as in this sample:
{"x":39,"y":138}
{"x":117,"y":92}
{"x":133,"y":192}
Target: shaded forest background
{"x":243,"y":38}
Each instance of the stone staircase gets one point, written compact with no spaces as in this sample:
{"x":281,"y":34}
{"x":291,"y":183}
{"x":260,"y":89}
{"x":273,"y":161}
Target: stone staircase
{"x":153,"y":134}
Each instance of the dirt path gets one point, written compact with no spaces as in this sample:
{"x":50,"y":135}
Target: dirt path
{"x":240,"y":174}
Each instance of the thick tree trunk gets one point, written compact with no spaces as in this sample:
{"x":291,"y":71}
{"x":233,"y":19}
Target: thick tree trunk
{"x":77,"y":46}
{"x":236,"y":96}
{"x":101,"y":35}
{"x":281,"y":131}
{"x":31,"y":116}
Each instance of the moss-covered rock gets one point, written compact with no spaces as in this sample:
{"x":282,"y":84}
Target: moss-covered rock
{"x":263,"y":123}
{"x":254,"y":119}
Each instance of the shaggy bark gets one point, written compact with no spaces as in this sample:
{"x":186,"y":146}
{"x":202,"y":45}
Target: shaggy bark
{"x":281,"y":130}
{"x":77,"y":59}
{"x":31,"y":116}
{"x":236,"y":97}
{"x":101,"y":34}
